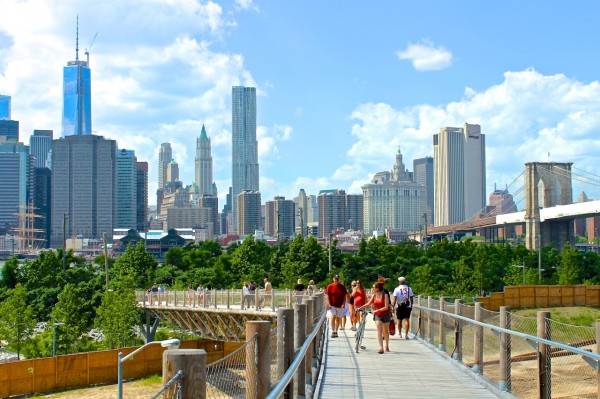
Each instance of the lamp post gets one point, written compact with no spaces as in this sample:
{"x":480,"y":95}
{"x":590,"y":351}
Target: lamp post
{"x":54,"y":324}
{"x":539,"y":259}
{"x":105,"y":258}
{"x":64,"y":259}
{"x":330,"y":242}
{"x":425,"y":227}
{"x":169,"y":343}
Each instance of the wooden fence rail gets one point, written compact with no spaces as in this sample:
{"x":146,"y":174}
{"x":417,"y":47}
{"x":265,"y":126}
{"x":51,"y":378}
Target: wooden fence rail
{"x":26,"y":377}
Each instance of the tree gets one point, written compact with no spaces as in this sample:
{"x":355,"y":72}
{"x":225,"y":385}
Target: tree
{"x":568,"y":268}
{"x":69,"y":313}
{"x":16,"y":318}
{"x":116,"y":315}
{"x":136,"y":262}
{"x":9,"y":273}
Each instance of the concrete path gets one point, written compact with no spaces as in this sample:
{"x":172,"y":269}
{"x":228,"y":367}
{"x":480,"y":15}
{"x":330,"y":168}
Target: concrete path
{"x":409,"y":370}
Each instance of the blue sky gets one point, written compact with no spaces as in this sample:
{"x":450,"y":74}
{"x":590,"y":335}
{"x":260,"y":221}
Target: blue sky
{"x":341,"y":84}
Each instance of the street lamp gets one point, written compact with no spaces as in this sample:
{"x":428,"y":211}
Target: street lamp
{"x":54,"y":324}
{"x":169,"y":343}
{"x":105,"y":258}
{"x":425,"y":226}
{"x":330,"y":241}
{"x":64,"y":260}
{"x":539,"y":259}
{"x":522,"y":267}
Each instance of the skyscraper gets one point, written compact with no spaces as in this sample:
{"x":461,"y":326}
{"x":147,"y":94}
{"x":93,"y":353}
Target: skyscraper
{"x":211,"y":202}
{"x":16,"y":184}
{"x":249,"y":212}
{"x":279,"y":218}
{"x":423,"y":174}
{"x":459,"y":174}
{"x":142,"y":195}
{"x":40,"y":146}
{"x":84,"y":179}
{"x":77,"y":96}
{"x":332,"y":211}
{"x":204,"y":165}
{"x":126,"y":189}
{"x":393,"y":202}
{"x":301,"y":202}
{"x":244,"y":145}
{"x":172,"y":172}
{"x":165,"y":155}
{"x":9,"y":129}
{"x":4,"y":107}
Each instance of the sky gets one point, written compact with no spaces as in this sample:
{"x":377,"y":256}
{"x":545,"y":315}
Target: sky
{"x":341,"y":84}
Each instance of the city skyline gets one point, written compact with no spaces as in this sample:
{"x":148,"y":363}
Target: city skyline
{"x":332,"y":101}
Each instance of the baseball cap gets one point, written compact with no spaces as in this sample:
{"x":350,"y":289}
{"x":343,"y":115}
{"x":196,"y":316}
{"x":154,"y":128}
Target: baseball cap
{"x":401,"y":279}
{"x":335,"y":276}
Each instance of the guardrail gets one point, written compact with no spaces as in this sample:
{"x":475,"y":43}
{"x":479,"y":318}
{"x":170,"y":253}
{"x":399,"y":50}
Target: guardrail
{"x":259,"y":299}
{"x":507,"y":351}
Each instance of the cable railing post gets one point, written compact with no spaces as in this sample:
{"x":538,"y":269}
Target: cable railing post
{"x":504,"y":378}
{"x":442,"y":344}
{"x":299,"y":337}
{"x":458,"y":334}
{"x":544,"y":359}
{"x":193,"y":364}
{"x":478,"y":341}
{"x":228,"y":295}
{"x":215,"y":298}
{"x":429,"y":320}
{"x":258,"y":360}
{"x":256,"y":304}
{"x":273,"y":300}
{"x":175,"y":300}
{"x":419,"y":331}
{"x":309,"y":325}
{"x":285,"y":346}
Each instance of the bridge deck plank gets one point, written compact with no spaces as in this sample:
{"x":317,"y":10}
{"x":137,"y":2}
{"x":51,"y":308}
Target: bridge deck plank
{"x":410,"y":369}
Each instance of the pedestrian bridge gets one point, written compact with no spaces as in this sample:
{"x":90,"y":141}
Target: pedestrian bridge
{"x":456,"y":350}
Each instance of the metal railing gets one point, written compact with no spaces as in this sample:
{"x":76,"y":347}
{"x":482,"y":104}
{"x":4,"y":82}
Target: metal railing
{"x":176,"y":391}
{"x":259,"y":299}
{"x":507,"y":350}
{"x":308,"y":351}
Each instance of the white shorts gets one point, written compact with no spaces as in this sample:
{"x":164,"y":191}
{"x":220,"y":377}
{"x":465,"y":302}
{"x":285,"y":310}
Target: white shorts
{"x":339,"y":312}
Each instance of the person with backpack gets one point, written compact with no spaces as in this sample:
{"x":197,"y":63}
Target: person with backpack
{"x":403,"y":296}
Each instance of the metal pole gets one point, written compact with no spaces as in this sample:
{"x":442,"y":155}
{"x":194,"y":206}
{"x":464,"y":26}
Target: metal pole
{"x":64,"y":259}
{"x":330,"y":242}
{"x":425,"y":239}
{"x":539,"y":259}
{"x":54,"y":338}
{"x":105,"y":259}
{"x":120,"y":376}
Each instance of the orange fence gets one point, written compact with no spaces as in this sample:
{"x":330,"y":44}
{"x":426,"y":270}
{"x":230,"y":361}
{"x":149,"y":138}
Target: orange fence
{"x":84,"y":369}
{"x":542,"y":296}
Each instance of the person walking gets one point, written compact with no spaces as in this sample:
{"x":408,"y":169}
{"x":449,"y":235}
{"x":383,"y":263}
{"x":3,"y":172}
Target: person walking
{"x":351,"y":306}
{"x":335,"y":294}
{"x":382,"y":315}
{"x":403,"y":296}
{"x":360,"y":297}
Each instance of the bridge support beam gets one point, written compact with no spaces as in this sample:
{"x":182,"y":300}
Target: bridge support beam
{"x":547,"y":184}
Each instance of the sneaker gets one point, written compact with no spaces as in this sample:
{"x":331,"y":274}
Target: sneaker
{"x":406,"y":336}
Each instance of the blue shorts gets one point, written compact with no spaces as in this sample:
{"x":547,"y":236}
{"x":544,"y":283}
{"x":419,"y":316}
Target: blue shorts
{"x":383,"y":319}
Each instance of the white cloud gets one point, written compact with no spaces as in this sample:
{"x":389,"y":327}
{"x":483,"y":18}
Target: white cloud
{"x":524,"y":117}
{"x":425,"y":56}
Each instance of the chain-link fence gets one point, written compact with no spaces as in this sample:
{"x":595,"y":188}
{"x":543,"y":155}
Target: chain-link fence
{"x":528,"y":356}
{"x":226,"y":378}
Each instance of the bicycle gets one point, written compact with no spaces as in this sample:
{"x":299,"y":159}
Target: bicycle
{"x":360,"y":331}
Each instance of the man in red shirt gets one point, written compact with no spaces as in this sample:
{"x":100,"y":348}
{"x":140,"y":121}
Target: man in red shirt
{"x":336,"y":300}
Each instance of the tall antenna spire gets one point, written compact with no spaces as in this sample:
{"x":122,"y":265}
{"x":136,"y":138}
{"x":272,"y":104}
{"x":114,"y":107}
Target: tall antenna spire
{"x":77,"y":40}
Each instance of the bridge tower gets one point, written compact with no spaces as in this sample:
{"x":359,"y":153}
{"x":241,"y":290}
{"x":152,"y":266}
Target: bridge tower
{"x":547,"y":184}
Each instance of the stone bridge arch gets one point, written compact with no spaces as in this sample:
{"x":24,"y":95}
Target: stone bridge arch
{"x":547,"y":184}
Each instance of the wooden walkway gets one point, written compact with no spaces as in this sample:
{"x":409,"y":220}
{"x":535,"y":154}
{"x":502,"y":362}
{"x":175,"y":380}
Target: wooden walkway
{"x":409,"y":370}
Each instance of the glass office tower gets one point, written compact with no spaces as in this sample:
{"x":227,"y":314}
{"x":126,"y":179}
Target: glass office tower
{"x":4,"y":107}
{"x":77,"y":99}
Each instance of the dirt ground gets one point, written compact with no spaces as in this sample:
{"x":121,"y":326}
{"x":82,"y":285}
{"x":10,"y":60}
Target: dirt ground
{"x":139,"y":389}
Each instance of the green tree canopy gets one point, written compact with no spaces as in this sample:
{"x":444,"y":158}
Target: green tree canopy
{"x":16,"y":318}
